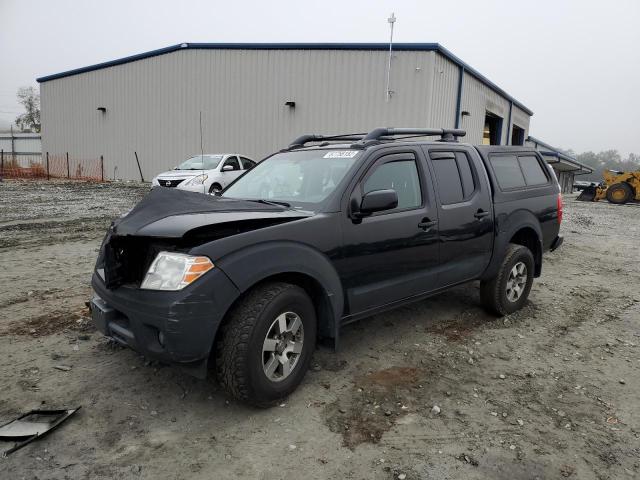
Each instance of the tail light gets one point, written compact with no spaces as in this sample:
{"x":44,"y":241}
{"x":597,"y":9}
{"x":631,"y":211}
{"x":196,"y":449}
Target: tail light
{"x":559,"y":208}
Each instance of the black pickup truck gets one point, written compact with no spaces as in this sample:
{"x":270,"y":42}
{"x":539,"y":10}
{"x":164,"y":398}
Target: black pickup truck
{"x":325,"y":232}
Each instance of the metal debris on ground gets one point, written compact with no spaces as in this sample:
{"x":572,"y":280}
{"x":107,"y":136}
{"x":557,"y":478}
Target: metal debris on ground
{"x":31,"y":426}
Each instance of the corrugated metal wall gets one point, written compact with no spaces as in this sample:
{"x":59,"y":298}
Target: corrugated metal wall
{"x":153,"y":104}
{"x":521,"y":119}
{"x":22,"y":143}
{"x":444,"y":97}
{"x":477,"y":99}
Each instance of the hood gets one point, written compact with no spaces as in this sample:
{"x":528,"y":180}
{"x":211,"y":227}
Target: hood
{"x":174,"y":213}
{"x":176,"y":174}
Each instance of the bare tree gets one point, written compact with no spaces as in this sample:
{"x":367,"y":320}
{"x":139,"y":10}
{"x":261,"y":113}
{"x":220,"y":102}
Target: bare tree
{"x":29,"y":97}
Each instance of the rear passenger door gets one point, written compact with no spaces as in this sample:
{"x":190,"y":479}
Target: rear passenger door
{"x":465,"y":215}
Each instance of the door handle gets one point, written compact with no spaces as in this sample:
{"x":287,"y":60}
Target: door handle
{"x":480,"y":214}
{"x":426,"y":224}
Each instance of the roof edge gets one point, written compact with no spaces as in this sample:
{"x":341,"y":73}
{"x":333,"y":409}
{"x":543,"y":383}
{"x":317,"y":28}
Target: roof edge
{"x":422,"y":47}
{"x":559,"y":154}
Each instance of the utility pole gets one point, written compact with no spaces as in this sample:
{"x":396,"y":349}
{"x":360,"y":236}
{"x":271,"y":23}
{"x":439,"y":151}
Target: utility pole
{"x":391,"y":20}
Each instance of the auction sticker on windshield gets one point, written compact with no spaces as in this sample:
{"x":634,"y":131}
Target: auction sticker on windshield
{"x":341,"y":154}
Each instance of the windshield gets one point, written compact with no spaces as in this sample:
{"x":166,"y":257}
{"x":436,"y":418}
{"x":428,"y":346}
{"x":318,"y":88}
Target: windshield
{"x":294,"y":177}
{"x":200,"y":162}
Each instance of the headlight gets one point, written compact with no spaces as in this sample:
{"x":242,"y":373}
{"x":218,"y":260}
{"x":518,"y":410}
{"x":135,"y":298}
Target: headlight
{"x":199,"y":180}
{"x":174,"y":271}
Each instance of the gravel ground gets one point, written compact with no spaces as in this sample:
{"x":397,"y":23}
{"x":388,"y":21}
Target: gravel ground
{"x":435,"y":390}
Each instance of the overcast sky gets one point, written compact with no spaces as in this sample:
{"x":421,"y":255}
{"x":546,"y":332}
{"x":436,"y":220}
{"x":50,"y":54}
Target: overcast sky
{"x":575,"y":63}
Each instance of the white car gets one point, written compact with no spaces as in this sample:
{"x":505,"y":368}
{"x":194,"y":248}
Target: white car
{"x":208,"y":173}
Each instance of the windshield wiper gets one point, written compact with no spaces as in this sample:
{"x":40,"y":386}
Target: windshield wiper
{"x":270,"y":202}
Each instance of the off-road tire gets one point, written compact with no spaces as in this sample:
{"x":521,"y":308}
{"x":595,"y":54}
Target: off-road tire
{"x":628,"y":193}
{"x":215,"y":187}
{"x":493,"y":292}
{"x":239,"y":363}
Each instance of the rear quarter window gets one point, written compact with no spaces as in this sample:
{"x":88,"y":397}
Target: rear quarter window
{"x":507,"y":171}
{"x":518,"y":171}
{"x":532,"y":170}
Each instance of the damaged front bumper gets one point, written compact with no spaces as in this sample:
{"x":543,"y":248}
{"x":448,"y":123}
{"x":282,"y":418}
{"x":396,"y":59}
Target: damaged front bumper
{"x":175,"y":327}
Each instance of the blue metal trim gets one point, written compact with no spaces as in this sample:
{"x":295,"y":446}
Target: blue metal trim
{"x":559,"y":155}
{"x":509,"y":127}
{"x":459,"y":100}
{"x":409,"y":47}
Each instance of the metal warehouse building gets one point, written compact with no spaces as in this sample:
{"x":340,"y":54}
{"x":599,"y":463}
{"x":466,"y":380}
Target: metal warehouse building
{"x":255,"y":98}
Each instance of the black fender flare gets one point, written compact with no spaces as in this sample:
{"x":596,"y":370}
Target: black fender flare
{"x":506,"y":227}
{"x":250,"y":265}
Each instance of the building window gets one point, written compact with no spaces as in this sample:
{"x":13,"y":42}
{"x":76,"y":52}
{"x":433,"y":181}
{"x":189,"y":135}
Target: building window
{"x":492,"y":129}
{"x":517,"y":135}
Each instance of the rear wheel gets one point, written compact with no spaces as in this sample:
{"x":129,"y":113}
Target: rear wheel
{"x":619,"y":193}
{"x":266,"y":345}
{"x":509,"y":289}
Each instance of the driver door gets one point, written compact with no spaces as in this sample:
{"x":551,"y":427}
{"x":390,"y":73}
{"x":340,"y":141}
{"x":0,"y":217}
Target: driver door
{"x":230,"y":170}
{"x":391,"y":255}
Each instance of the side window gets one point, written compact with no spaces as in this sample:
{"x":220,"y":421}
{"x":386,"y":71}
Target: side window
{"x":454,"y":176}
{"x":401,"y":176}
{"x":507,"y":170}
{"x":532,"y":171}
{"x":233,"y":161}
{"x":247,"y":164}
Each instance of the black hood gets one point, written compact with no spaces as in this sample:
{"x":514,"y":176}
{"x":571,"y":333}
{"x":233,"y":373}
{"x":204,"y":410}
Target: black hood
{"x":169,"y":212}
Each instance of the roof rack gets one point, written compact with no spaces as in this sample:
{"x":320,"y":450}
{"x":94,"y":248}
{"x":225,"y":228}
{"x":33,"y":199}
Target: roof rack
{"x":446,"y":134}
{"x":303,"y":139}
{"x":379,"y":135}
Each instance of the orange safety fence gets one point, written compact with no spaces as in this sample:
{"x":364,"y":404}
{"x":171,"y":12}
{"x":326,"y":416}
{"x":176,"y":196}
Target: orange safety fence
{"x":48,"y":166}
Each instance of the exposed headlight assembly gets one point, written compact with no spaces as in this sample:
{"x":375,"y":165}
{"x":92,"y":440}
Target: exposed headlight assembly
{"x":199,"y":180}
{"x":174,"y":271}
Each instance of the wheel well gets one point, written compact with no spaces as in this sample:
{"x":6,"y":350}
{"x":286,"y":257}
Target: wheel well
{"x":527,"y":237}
{"x":310,"y":285}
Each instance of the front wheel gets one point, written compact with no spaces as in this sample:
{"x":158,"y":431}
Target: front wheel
{"x":509,"y":289}
{"x":215,"y":189}
{"x":266,"y":345}
{"x":619,"y":193}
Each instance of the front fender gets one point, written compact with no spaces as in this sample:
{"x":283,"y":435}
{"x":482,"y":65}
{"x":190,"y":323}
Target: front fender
{"x":250,"y":265}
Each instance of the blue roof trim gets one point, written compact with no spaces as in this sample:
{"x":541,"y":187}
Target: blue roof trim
{"x":408,"y":47}
{"x":559,"y":154}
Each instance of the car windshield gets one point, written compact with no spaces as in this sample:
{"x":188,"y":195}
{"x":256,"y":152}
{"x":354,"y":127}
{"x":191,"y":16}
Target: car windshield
{"x":306,"y":177}
{"x":200,"y":162}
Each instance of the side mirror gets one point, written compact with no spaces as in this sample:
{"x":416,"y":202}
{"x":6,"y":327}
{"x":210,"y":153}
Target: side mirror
{"x":378,"y":201}
{"x":227,"y":168}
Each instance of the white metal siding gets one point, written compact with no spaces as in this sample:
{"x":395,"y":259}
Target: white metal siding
{"x":22,"y":143}
{"x":153,"y":104}
{"x":444,"y":97}
{"x":521,"y":119}
{"x":477,"y":99}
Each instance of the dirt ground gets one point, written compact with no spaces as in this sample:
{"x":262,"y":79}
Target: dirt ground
{"x":552,"y":391}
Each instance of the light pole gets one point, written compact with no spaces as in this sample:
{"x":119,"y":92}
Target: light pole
{"x":391,"y":20}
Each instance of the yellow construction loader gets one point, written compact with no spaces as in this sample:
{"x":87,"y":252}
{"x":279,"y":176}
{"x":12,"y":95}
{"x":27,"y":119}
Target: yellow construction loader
{"x":617,"y":187}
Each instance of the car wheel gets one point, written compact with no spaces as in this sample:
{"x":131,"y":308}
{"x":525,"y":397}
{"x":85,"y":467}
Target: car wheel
{"x":215,"y":188}
{"x":509,"y":289}
{"x":266,"y":344}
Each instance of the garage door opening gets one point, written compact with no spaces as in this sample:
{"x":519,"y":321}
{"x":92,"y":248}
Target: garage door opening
{"x":492,"y":129}
{"x":517,"y":135}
